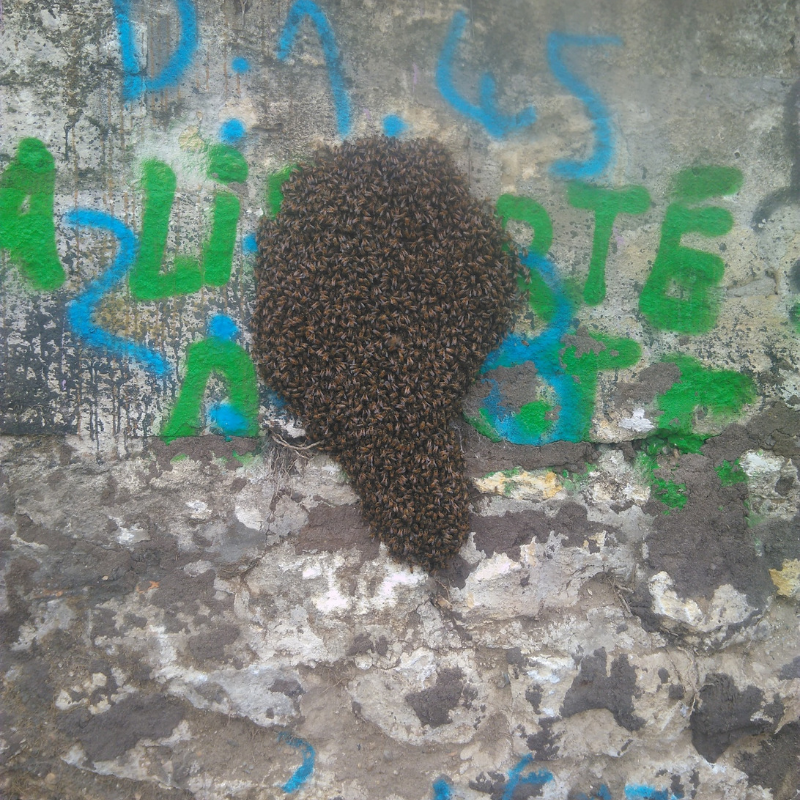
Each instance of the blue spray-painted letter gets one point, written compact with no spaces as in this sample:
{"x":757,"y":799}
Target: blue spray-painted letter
{"x":307,"y":8}
{"x":135,"y":83}
{"x":497,"y":124}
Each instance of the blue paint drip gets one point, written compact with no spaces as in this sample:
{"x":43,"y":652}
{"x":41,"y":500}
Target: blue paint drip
{"x":303,"y":8}
{"x":543,"y":352}
{"x":250,"y":244}
{"x":240,"y":65}
{"x":231,"y":131}
{"x":647,"y":793}
{"x":134,"y":82}
{"x":394,"y":125}
{"x":303,"y":772}
{"x":532,"y":779}
{"x":81,"y":310}
{"x":225,"y":417}
{"x":442,"y":790}
{"x":487,"y":113}
{"x":604,"y":141}
{"x":221,"y":326}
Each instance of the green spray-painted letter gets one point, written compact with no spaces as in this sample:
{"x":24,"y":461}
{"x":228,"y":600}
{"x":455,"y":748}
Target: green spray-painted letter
{"x":607,"y":204}
{"x":220,"y":355}
{"x":679,"y":293}
{"x":30,"y":235}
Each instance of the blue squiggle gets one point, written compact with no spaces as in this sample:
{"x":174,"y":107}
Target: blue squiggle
{"x":532,"y":779}
{"x":649,"y":793}
{"x":604,"y":141}
{"x":497,"y":124}
{"x":303,"y":772}
{"x":81,"y":310}
{"x":442,"y":790}
{"x":134,"y":82}
{"x":303,"y":8}
{"x":543,"y":352}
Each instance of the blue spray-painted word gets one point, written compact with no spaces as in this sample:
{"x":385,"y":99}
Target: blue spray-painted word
{"x":487,"y":113}
{"x":307,"y":8}
{"x":81,"y":310}
{"x":135,"y":82}
{"x":600,"y":159}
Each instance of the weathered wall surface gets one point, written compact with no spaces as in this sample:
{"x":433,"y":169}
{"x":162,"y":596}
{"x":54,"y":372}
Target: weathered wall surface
{"x":192,"y":606}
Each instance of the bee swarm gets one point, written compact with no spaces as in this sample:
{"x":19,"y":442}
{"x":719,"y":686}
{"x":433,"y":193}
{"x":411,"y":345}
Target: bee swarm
{"x":382,"y":285}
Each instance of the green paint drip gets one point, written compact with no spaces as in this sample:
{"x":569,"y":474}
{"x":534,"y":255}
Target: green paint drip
{"x":523,"y":209}
{"x":607,"y":204}
{"x":275,"y":188}
{"x":699,"y":183}
{"x":615,"y":353}
{"x":731,"y":473}
{"x":30,"y":235}
{"x":679,"y":293}
{"x":231,"y":362}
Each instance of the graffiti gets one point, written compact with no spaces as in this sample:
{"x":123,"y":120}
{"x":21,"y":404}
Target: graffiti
{"x":29,"y":235}
{"x":791,"y":193}
{"x":442,"y":790}
{"x":719,"y":393}
{"x":487,"y":113}
{"x":82,"y":309}
{"x":274,"y":188}
{"x":303,"y":772}
{"x":572,"y":375}
{"x":571,"y":371}
{"x":692,"y":274}
{"x":134,"y":82}
{"x":394,"y":125}
{"x":607,"y":205}
{"x":649,"y":793}
{"x":218,"y":354}
{"x":307,"y":8}
{"x":598,"y":162}
{"x":189,"y":274}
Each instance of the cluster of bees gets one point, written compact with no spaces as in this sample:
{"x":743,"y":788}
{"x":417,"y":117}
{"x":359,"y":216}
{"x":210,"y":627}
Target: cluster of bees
{"x":382,"y":285}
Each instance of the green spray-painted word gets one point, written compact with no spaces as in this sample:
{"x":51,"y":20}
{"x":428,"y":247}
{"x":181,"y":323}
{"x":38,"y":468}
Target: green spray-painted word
{"x":607,"y":205}
{"x":188,"y":274}
{"x":219,"y":355}
{"x":679,"y":293}
{"x":29,"y":234}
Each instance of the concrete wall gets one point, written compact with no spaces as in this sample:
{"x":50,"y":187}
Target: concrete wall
{"x":206,"y":616}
